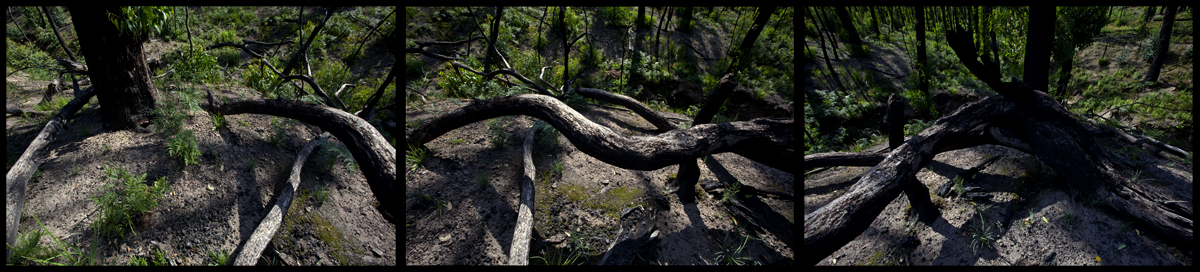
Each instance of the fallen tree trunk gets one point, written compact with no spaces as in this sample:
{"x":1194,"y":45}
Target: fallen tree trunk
{"x":518,"y":252}
{"x":371,"y":151}
{"x":1068,"y":148}
{"x":774,"y":136}
{"x":23,"y":169}
{"x":253,"y":247}
{"x":829,"y":228}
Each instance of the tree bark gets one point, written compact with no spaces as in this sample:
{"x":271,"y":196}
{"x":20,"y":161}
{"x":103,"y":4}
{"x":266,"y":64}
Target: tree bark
{"x":1164,"y":46}
{"x":770,"y":138}
{"x":23,"y":169}
{"x":118,"y":69}
{"x":253,"y":247}
{"x":371,"y":151}
{"x":895,"y":121}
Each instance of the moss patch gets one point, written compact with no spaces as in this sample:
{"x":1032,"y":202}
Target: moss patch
{"x":325,"y":231}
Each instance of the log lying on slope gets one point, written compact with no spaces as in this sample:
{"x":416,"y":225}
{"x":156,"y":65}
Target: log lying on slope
{"x":829,"y":228}
{"x":371,"y":151}
{"x":23,"y":169}
{"x":518,"y":252}
{"x":253,"y":247}
{"x":774,"y":135}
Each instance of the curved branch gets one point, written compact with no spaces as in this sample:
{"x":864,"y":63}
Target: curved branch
{"x":771,"y":135}
{"x":371,"y":151}
{"x":641,"y":109}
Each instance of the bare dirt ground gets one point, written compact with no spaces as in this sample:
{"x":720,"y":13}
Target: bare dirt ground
{"x":462,"y":202}
{"x":1028,"y":212}
{"x":213,"y":206}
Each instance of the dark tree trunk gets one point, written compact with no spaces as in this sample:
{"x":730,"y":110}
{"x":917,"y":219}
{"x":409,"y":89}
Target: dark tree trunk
{"x":764,"y":15}
{"x":837,"y":83}
{"x":922,"y":74}
{"x":641,"y":13}
{"x":1037,"y":47}
{"x":875,"y":22}
{"x":856,"y":43}
{"x":117,"y":66}
{"x":1164,"y":46}
{"x":895,"y":121}
{"x":491,"y":49}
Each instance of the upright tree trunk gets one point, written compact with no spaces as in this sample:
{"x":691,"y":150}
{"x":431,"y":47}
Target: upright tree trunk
{"x":764,"y":15}
{"x":491,"y":50}
{"x":837,"y":83}
{"x":1037,"y":52}
{"x":875,"y":22}
{"x":1164,"y":46}
{"x":856,"y":43}
{"x":922,"y":73}
{"x":117,"y":67}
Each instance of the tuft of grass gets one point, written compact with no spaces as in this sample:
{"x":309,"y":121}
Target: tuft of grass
{"x":415,"y":156}
{"x":53,"y":105}
{"x":27,"y":250}
{"x":127,"y":199}
{"x":1137,"y":177}
{"x":981,"y":236}
{"x":220,"y":258}
{"x":557,"y":168}
{"x":729,"y":254}
{"x":218,"y":121}
{"x":321,"y":195}
{"x":250,"y":163}
{"x":958,"y":186}
{"x":481,"y":180}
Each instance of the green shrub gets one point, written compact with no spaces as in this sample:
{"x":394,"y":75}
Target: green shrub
{"x":53,"y":105}
{"x":127,"y":199}
{"x":183,"y":146}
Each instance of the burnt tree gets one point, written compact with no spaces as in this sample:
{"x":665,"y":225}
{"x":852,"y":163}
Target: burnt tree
{"x":117,"y":67}
{"x":1041,"y":127}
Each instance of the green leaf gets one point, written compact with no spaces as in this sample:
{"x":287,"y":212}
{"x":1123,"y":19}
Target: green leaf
{"x":1120,"y":246}
{"x":1044,"y":219}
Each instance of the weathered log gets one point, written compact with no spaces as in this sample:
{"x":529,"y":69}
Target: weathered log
{"x":254,"y":246}
{"x":376,"y":158}
{"x":770,"y":135}
{"x":518,"y":253}
{"x":23,"y":169}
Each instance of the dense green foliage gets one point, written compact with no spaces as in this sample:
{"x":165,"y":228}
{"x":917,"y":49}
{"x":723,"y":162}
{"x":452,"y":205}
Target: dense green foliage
{"x":1112,"y":89}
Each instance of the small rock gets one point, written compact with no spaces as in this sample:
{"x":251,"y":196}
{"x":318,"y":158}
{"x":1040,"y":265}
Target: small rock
{"x":605,"y":182}
{"x":210,"y":187}
{"x":308,"y":209}
{"x":377,"y":252}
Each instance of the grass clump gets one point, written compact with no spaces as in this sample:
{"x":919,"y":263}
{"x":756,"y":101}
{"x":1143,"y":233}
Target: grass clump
{"x":127,"y":199}
{"x":415,"y":156}
{"x":220,"y":258}
{"x":53,"y":105}
{"x":27,"y":250}
{"x":981,"y":236}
